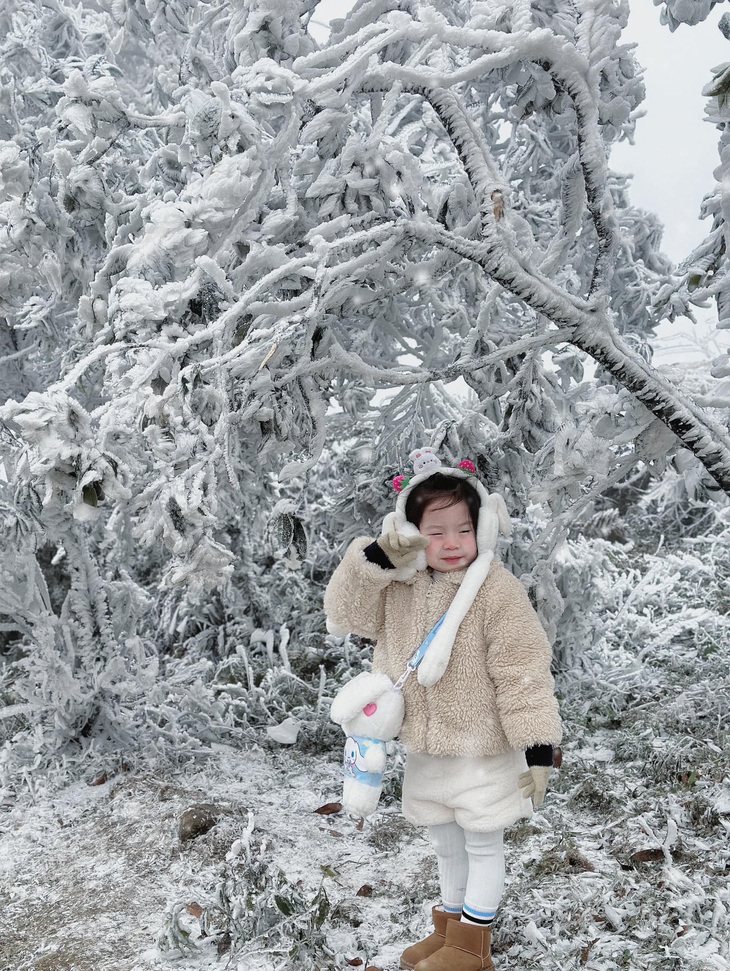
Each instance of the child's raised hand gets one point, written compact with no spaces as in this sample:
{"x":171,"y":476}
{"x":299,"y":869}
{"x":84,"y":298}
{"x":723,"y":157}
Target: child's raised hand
{"x":400,"y":549}
{"x":534,"y":783}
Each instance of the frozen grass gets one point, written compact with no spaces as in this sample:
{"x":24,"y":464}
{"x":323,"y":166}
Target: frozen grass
{"x":626,"y":866}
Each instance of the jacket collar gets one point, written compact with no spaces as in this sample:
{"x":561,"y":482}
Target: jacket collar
{"x":451,"y":579}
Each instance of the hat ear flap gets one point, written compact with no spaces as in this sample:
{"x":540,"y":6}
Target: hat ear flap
{"x":505,"y":523}
{"x":493,"y":520}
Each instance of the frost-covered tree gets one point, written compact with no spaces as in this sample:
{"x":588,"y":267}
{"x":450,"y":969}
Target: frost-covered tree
{"x":241,"y":274}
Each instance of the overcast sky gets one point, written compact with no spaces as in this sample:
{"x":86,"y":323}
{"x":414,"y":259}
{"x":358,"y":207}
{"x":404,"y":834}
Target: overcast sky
{"x":675,"y":150}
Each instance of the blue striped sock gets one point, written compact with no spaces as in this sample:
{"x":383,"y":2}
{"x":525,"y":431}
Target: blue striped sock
{"x":472,"y":915}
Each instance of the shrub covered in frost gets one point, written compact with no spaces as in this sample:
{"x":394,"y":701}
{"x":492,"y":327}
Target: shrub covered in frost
{"x":240,"y":274}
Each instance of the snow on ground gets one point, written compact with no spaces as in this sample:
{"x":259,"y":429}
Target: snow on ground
{"x":625,"y":867}
{"x":95,"y":876}
{"x":91,"y":875}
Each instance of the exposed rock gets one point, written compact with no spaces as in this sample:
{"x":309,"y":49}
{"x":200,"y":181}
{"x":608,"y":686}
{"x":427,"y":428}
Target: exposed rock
{"x":197,"y":820}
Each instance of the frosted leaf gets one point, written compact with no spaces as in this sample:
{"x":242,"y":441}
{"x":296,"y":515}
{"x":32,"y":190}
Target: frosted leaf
{"x":282,"y":530}
{"x":14,"y":172}
{"x":206,"y":567}
{"x":299,"y":539}
{"x":615,"y":916}
{"x":676,"y":12}
{"x":205,"y":119}
{"x":286,"y":732}
{"x":534,"y":935}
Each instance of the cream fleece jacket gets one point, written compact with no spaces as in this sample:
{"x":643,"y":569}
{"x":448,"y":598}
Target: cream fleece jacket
{"x":497,"y":692}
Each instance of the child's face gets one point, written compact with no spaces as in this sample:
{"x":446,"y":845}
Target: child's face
{"x":452,"y":543}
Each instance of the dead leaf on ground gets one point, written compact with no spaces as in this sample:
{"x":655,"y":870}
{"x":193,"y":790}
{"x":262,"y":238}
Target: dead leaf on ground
{"x":329,"y":809}
{"x":100,"y":780}
{"x":354,"y":962}
{"x":585,"y":951}
{"x":647,"y":856}
{"x":333,"y":832}
{"x":195,"y":909}
{"x":365,"y":891}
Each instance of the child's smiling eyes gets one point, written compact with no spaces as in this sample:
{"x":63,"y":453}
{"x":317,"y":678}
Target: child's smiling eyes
{"x":467,"y":531}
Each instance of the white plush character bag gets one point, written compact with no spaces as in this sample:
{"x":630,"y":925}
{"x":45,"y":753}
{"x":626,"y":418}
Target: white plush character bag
{"x":370,"y":710}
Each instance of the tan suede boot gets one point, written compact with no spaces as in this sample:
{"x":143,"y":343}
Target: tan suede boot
{"x":466,"y":948}
{"x":425,"y":948}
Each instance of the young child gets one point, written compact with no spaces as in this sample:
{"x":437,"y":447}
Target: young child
{"x":481,"y":718}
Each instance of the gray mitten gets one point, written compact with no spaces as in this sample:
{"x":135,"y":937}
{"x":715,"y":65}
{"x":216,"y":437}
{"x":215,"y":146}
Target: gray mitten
{"x":400,"y":549}
{"x":534,"y":783}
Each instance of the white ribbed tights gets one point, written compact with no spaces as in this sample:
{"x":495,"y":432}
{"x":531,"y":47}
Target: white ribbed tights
{"x":471,"y":870}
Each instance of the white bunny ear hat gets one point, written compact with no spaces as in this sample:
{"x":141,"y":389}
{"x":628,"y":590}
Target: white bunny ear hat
{"x":493,"y":519}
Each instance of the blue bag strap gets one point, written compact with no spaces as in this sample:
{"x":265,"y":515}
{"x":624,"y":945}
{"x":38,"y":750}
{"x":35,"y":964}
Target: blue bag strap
{"x":418,"y":655}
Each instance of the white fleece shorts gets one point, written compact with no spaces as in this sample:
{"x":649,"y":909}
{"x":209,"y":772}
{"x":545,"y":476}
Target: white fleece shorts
{"x":480,"y":793}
